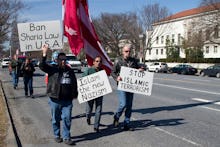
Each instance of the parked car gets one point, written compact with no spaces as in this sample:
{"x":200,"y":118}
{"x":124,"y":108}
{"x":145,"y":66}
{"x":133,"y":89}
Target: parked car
{"x":211,"y":71}
{"x":5,"y":62}
{"x":184,"y":69}
{"x":158,"y":67}
{"x":142,"y":65}
{"x":74,"y":62}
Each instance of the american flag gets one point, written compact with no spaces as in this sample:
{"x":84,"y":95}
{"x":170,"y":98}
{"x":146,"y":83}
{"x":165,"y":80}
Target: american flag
{"x":79,"y":30}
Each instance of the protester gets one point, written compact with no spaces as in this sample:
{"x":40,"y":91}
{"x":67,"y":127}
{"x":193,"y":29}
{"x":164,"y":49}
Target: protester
{"x":14,"y":69}
{"x":28,"y":69}
{"x":125,"y":98}
{"x":61,"y":89}
{"x":98,"y":101}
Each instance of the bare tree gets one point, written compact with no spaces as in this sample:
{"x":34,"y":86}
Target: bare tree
{"x":8,"y":13}
{"x":112,"y":29}
{"x":209,"y":22}
{"x":151,"y":15}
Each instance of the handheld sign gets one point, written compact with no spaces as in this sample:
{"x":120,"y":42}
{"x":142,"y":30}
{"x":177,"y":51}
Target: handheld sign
{"x":135,"y":81}
{"x":93,"y":86}
{"x":33,"y":35}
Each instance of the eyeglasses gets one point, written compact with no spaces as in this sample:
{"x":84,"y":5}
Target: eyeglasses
{"x":61,"y":59}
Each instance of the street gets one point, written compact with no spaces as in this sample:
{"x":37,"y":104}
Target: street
{"x":183,"y":111}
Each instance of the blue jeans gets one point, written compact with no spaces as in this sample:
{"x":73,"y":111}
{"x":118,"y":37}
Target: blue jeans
{"x":28,"y":84}
{"x":15,"y":78}
{"x":61,"y":110}
{"x":98,"y":110}
{"x":125,"y":102}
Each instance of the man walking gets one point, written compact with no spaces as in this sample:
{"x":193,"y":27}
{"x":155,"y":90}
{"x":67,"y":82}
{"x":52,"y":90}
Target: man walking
{"x":61,"y":89}
{"x":14,"y":69}
{"x":125,"y":98}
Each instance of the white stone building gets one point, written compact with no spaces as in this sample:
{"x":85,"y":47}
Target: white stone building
{"x":177,"y":27}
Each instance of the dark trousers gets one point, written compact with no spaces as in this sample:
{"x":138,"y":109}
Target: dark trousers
{"x":28,"y":84}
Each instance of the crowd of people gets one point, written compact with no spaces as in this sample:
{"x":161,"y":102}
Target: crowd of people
{"x":62,"y":89}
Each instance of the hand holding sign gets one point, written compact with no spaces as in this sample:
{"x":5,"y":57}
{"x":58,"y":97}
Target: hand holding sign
{"x":136,"y":81}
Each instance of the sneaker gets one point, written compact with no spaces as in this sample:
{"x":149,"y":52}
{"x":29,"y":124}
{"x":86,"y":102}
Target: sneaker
{"x":32,"y":96}
{"x":58,"y":139}
{"x":26,"y":96}
{"x":115,"y":122}
{"x":15,"y":87}
{"x":128,"y":128}
{"x":88,"y":121}
{"x":96,"y":130}
{"x":69,"y":142}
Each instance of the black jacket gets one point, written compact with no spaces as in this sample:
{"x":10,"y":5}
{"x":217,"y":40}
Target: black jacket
{"x":27,"y":69}
{"x":130,"y":62}
{"x":55,"y":89}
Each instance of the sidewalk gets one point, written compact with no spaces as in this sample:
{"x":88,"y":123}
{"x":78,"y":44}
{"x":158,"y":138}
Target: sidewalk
{"x":10,"y":136}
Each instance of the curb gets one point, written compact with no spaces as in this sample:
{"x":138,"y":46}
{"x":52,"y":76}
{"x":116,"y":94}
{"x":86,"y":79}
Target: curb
{"x":10,"y":136}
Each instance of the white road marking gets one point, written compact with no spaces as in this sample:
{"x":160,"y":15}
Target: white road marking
{"x":207,"y":101}
{"x":201,"y":100}
{"x":196,"y":90}
{"x":174,"y":135}
{"x":182,"y":138}
{"x":197,"y":80}
{"x":210,"y":108}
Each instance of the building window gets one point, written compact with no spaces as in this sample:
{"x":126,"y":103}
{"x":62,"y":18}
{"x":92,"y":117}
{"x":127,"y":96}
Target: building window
{"x":179,"y":39}
{"x":215,"y":49}
{"x":216,"y":32}
{"x":162,"y":39}
{"x":161,"y":51}
{"x":173,"y":38}
{"x":149,"y":52}
{"x":207,"y":35}
{"x":157,"y":40}
{"x":207,"y":49}
{"x":167,"y":39}
{"x":156,"y":51}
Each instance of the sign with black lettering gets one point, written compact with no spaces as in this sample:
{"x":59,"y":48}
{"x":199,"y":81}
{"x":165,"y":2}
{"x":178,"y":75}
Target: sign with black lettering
{"x":33,"y":35}
{"x":93,"y":86}
{"x":135,"y":81}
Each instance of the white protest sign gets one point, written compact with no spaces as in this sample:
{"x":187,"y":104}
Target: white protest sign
{"x":93,"y":86}
{"x":33,"y":35}
{"x":135,"y":81}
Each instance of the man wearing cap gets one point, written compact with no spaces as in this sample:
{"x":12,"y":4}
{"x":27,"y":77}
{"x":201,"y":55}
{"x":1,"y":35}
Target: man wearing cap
{"x":61,"y":89}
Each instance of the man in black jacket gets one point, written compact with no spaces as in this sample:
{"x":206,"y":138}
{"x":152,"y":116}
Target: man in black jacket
{"x":61,"y":89}
{"x":125,"y":98}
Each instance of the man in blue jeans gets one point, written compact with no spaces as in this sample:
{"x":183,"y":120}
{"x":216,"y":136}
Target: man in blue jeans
{"x":125,"y":98}
{"x":61,"y":89}
{"x":14,"y":69}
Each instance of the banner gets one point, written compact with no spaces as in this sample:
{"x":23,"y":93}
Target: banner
{"x":33,"y":35}
{"x":93,"y":86}
{"x":79,"y":30}
{"x":136,"y":81}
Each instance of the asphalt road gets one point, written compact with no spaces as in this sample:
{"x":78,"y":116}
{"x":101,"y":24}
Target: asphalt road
{"x":183,"y":111}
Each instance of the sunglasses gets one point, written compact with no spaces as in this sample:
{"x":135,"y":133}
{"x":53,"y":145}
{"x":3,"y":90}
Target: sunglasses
{"x":62,"y":59}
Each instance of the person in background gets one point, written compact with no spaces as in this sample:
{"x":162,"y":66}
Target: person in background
{"x":125,"y":98}
{"x":97,"y":62}
{"x":14,"y":69}
{"x":28,"y":69}
{"x":61,"y":89}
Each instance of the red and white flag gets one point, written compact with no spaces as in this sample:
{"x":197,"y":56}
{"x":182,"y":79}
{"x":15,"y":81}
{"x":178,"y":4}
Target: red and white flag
{"x":79,"y":30}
